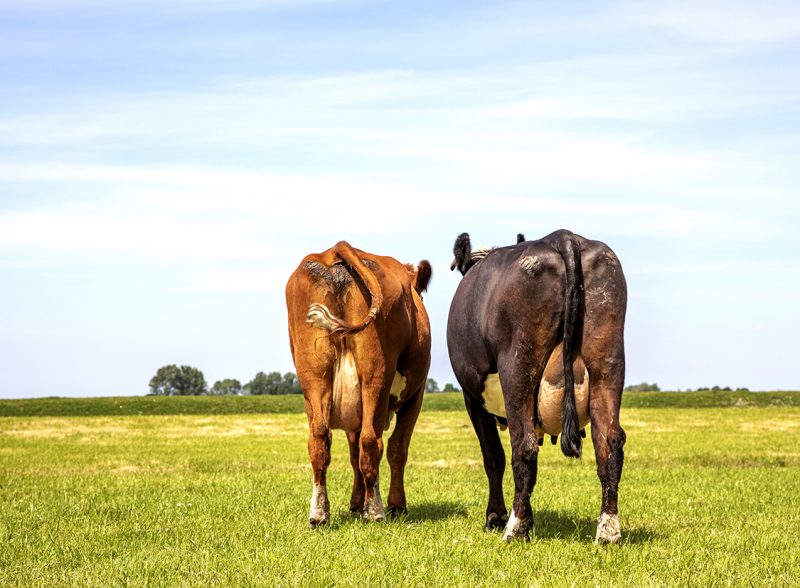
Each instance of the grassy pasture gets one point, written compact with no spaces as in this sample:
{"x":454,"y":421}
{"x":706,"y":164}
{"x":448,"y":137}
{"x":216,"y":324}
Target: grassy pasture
{"x":205,"y":405}
{"x":710,"y":496}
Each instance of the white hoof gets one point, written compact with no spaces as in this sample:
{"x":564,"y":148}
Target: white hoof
{"x":320,"y":512}
{"x":516,"y":529}
{"x":373,"y":507}
{"x":607,"y":529}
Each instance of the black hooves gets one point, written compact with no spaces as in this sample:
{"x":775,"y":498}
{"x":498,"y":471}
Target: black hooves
{"x":583,"y":433}
{"x":553,"y":439}
{"x":397,"y":511}
{"x":495,"y":522}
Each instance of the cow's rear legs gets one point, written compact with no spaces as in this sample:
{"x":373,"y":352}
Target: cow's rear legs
{"x":357,"y":495}
{"x":494,"y":461}
{"x":371,"y":448}
{"x":608,"y":438}
{"x":319,"y":450}
{"x":518,"y":392}
{"x":397,"y":453}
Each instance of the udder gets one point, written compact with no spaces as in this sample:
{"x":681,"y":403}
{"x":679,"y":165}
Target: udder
{"x":551,"y":393}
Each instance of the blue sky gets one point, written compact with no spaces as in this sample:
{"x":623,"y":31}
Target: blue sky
{"x":164,"y":166}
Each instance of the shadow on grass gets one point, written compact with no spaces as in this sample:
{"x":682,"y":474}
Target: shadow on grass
{"x":435,"y":511}
{"x":423,"y":512}
{"x":558,"y":525}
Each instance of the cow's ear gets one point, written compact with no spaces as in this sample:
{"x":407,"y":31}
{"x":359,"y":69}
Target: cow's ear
{"x":462,"y":252}
{"x":520,"y":238}
{"x":422,"y":276}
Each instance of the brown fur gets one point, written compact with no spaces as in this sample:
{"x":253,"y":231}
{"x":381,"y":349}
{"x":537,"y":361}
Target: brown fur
{"x":379,"y":319}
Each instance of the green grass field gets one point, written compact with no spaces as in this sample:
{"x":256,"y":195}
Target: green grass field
{"x":200,"y":492}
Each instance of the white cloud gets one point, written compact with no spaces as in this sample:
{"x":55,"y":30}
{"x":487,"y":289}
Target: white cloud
{"x":739,"y":22}
{"x":173,"y":6}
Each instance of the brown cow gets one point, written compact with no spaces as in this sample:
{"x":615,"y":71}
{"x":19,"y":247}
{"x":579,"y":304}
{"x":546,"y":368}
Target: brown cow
{"x":361,"y":343}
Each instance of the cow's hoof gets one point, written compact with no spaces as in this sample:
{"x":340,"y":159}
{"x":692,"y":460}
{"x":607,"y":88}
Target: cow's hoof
{"x":314,"y":523}
{"x":397,"y":511}
{"x":517,"y":529}
{"x":607,"y":529}
{"x":320,"y":511}
{"x":356,"y":511}
{"x":373,"y":509}
{"x":495,"y":522}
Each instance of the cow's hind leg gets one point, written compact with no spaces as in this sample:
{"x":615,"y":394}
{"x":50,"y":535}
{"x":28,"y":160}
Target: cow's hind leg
{"x":397,"y":453}
{"x":608,"y":438}
{"x":516,"y":381}
{"x":371,"y":446}
{"x":357,"y":496}
{"x":319,"y":446}
{"x":494,"y":462}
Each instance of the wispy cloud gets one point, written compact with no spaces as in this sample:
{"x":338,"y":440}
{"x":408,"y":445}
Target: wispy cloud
{"x":165,"y":160}
{"x":737,"y":22}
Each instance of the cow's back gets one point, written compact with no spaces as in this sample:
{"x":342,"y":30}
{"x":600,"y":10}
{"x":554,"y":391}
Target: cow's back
{"x":504,"y":297}
{"x":341,"y":364}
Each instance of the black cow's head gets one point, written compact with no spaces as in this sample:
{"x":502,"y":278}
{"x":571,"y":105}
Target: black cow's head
{"x":462,"y":254}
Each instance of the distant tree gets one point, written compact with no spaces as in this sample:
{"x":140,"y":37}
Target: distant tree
{"x":450,"y":388}
{"x":274,"y":383}
{"x":172,"y":380}
{"x":291,"y":385}
{"x":643,"y":387}
{"x":227,"y":386}
{"x":264,"y":383}
{"x":431,"y":385}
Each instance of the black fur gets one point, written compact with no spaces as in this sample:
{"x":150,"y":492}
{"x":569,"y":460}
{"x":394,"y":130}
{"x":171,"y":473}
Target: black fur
{"x":569,"y":248}
{"x":520,"y":238}
{"x":462,"y":252}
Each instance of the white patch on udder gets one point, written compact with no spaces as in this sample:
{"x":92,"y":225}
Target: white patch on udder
{"x":346,"y":402}
{"x":493,"y":396}
{"x":551,"y":402}
{"x":398,"y":386}
{"x":396,"y":392}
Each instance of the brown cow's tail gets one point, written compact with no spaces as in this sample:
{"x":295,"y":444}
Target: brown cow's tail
{"x":319,"y":315}
{"x":569,"y":248}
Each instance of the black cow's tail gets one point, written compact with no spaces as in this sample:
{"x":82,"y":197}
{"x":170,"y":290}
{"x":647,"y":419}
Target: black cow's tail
{"x":570,"y":250}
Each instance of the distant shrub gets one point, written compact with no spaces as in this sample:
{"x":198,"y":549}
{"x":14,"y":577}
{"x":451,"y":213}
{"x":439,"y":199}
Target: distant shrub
{"x":643,"y":387}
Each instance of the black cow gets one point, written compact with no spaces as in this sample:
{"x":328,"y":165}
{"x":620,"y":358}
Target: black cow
{"x":548,"y":317}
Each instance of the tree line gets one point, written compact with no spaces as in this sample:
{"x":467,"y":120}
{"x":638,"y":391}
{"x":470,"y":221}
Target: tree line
{"x":645,"y":387}
{"x":186,"y":380}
